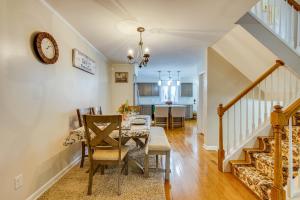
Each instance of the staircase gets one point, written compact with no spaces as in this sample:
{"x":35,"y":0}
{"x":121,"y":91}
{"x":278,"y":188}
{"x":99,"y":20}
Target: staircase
{"x":273,"y":163}
{"x":259,"y":130}
{"x":256,"y":171}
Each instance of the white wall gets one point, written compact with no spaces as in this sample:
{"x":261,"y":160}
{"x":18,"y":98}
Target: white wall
{"x":121,"y":92}
{"x":271,"y":41}
{"x":245,"y":52}
{"x":224,"y":82}
{"x":38,"y":101}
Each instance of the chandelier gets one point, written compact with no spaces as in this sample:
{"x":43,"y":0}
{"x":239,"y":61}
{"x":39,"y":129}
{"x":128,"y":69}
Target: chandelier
{"x":142,"y":55}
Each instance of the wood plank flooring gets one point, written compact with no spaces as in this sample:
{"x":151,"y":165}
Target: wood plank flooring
{"x":195,"y":172}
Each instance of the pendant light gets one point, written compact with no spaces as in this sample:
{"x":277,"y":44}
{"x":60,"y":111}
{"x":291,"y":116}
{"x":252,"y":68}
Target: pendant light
{"x":159,"y":79}
{"x":178,"y":78}
{"x":170,"y":79}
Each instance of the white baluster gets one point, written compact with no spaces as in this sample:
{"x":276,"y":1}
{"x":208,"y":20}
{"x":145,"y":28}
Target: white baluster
{"x":265,"y":99}
{"x":259,"y":104}
{"x":298,"y":32}
{"x":228,"y":132}
{"x":284,"y":87}
{"x":280,"y":17}
{"x":271,"y":91}
{"x":241,"y":121}
{"x":247,"y":115}
{"x":278,"y":87}
{"x":290,"y":86}
{"x":253,"y":112}
{"x":234,"y":127}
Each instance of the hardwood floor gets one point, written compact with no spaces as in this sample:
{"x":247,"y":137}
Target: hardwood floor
{"x":195,"y":172}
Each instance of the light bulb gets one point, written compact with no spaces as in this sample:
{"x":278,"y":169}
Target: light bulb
{"x":130,"y":52}
{"x":178,"y":83}
{"x":159,"y":83}
{"x":146,"y":51}
{"x":169,"y":82}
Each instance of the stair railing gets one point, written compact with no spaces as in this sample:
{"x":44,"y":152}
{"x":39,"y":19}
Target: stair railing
{"x":247,"y":112}
{"x":279,"y":119}
{"x":282,"y":17}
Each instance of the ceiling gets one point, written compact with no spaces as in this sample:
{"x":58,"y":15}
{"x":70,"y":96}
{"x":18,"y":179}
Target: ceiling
{"x":176,"y":30}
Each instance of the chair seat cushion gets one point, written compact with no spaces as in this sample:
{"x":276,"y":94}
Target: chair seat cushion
{"x":158,"y":140}
{"x":110,"y":154}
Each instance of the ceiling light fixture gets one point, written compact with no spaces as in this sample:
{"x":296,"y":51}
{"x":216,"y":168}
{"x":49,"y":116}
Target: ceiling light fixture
{"x":170,"y":79}
{"x":178,"y":78}
{"x":159,"y":79}
{"x":142,"y":56}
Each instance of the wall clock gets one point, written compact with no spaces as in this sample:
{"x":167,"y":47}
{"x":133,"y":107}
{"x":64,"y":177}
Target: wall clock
{"x":46,"y":48}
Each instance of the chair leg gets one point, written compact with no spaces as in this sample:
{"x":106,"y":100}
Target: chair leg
{"x":156,"y":159}
{"x":167,"y":122}
{"x":146,"y":166}
{"x":119,"y":177}
{"x":102,"y":167}
{"x":82,"y":154}
{"x":126,"y":165}
{"x":91,"y":174}
{"x":167,"y":173}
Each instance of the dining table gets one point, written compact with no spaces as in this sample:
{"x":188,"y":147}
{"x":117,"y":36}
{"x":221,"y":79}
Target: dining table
{"x":133,"y":127}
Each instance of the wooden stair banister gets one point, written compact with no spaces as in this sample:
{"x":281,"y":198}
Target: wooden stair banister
{"x":294,"y":4}
{"x":222,"y":109}
{"x":279,"y":119}
{"x":254,"y":84}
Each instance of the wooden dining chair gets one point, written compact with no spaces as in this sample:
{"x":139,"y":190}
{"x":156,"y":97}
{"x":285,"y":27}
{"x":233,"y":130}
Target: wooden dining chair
{"x":97,"y":110}
{"x":115,"y":154}
{"x":136,"y":109}
{"x":161,"y":116}
{"x":80,"y":113}
{"x":177,"y":116}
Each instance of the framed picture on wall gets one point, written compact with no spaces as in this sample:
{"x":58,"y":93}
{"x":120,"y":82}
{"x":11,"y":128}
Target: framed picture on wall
{"x":121,"y":77}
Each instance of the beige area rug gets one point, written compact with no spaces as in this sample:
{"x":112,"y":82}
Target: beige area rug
{"x":134,"y":186}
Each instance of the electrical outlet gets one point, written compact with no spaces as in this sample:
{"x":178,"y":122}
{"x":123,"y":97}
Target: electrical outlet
{"x":18,"y":181}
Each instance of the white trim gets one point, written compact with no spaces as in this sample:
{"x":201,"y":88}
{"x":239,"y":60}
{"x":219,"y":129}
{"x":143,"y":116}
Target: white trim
{"x":210,"y":148}
{"x":53,"y":180}
{"x":46,"y":4}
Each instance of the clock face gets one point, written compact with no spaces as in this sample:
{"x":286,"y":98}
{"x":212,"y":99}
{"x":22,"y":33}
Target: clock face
{"x":46,"y":48}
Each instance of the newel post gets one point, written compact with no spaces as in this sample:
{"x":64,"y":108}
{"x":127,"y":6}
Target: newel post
{"x":277,"y":122}
{"x":221,"y":152}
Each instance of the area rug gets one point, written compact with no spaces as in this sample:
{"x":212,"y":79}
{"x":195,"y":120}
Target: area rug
{"x":134,"y":186}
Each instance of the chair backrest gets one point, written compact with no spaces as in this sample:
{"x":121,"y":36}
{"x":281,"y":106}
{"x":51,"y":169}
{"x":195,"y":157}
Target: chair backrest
{"x":178,"y":111}
{"x":136,"y":109}
{"x":161,"y":111}
{"x":102,"y":126}
{"x":81,"y":112}
{"x":97,"y":110}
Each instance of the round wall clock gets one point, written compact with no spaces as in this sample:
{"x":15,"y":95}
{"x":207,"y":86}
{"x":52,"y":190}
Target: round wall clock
{"x":46,"y":48}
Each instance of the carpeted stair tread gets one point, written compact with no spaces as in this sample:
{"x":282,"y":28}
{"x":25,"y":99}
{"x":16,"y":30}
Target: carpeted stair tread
{"x":239,"y":162}
{"x":256,"y":181}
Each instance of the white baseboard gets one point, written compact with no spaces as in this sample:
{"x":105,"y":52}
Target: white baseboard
{"x":53,"y":180}
{"x":210,"y":148}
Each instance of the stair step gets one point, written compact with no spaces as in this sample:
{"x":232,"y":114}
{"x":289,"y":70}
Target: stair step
{"x":264,"y":162}
{"x":256,"y":181}
{"x":239,"y":162}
